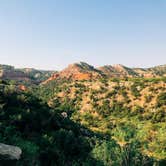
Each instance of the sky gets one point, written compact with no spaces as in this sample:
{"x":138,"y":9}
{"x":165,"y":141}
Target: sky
{"x":50,"y":34}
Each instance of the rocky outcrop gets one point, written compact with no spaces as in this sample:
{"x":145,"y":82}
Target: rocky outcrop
{"x":22,"y":88}
{"x":80,"y":71}
{"x":77,"y":71}
{"x":15,"y":75}
{"x":26,"y":74}
{"x":10,"y":152}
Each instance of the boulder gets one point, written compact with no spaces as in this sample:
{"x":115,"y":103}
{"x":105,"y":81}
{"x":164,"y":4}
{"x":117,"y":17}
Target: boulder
{"x":10,"y":152}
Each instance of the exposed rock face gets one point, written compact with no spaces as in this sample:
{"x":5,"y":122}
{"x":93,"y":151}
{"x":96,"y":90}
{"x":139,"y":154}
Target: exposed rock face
{"x":22,"y":87}
{"x":37,"y":75}
{"x":25,"y":74}
{"x":10,"y":152}
{"x":80,"y":71}
{"x":77,"y":71}
{"x":15,"y":75}
{"x":84,"y":71}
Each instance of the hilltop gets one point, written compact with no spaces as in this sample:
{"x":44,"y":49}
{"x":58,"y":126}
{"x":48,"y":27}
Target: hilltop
{"x":80,"y":71}
{"x":84,"y":71}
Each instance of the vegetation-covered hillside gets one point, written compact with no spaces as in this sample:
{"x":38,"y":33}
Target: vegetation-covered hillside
{"x":102,"y":121}
{"x":129,"y":112}
{"x":46,"y":136}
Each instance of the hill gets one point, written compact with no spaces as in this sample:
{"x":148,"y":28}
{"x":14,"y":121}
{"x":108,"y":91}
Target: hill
{"x":84,"y":71}
{"x":79,"y":71}
{"x":129,"y":111}
{"x":46,"y":136}
{"x":23,"y":75}
{"x":84,"y":116}
{"x":119,"y":71}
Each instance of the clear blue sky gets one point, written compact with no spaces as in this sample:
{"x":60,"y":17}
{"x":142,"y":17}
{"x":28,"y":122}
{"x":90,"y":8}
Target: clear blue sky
{"x":50,"y":34}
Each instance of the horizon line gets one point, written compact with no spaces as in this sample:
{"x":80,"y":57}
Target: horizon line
{"x":79,"y":62}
